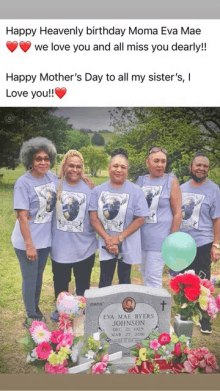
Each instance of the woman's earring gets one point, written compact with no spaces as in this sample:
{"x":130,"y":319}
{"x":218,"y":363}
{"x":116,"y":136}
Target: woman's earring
{"x":30,"y":168}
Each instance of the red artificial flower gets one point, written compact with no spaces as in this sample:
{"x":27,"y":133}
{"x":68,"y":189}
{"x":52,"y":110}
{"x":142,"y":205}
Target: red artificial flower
{"x":192,"y":293}
{"x":177,"y":367}
{"x":174,"y":284}
{"x":135,"y":370}
{"x":164,"y":338}
{"x":157,"y":356}
{"x":187,"y":350}
{"x":177,"y":349}
{"x":43,"y":350}
{"x":54,"y":335}
{"x":138,"y":346}
{"x":147,"y":367}
{"x":189,"y":279}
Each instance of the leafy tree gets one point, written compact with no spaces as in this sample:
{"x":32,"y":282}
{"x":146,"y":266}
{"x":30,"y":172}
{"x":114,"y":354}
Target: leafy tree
{"x":18,"y":124}
{"x":57,"y":130}
{"x":77,"y":140}
{"x":95,"y":158}
{"x":98,"y":139}
{"x":179,"y":138}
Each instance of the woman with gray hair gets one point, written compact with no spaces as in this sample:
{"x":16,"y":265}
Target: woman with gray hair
{"x":34,"y":201}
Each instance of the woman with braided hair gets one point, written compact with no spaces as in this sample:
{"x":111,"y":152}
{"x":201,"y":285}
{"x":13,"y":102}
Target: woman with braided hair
{"x":73,"y":238}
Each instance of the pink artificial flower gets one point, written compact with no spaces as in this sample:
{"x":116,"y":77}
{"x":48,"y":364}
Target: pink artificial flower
{"x":164,"y":338}
{"x":203,"y":350}
{"x":64,"y":340}
{"x":217,"y":302}
{"x":212,"y":307}
{"x":54,"y":335}
{"x":105,"y":358}
{"x":35,"y":324}
{"x":211,"y":361}
{"x":60,"y":368}
{"x":81,"y":299}
{"x":208,"y":369}
{"x":99,"y":367}
{"x":188,"y":367}
{"x":193,"y":361}
{"x":43,"y":350}
{"x":208,"y":284}
{"x":65,"y":322}
{"x":154,"y":344}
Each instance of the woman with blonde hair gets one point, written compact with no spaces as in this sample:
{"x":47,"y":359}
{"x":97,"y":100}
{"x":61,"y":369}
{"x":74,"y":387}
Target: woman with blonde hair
{"x":73,"y":238}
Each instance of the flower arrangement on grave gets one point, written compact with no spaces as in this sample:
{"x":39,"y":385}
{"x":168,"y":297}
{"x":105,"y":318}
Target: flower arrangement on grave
{"x":200,"y":361}
{"x":54,"y":351}
{"x":160,"y":352}
{"x":193,"y":297}
{"x":95,"y":348}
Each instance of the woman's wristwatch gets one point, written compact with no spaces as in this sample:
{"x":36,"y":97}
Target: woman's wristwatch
{"x":216,"y":245}
{"x":120,"y":238}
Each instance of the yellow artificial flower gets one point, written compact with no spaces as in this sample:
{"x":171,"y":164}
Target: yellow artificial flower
{"x":53,"y":359}
{"x":142,"y":354}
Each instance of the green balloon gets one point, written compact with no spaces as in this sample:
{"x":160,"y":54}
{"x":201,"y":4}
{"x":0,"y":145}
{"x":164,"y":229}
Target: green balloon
{"x":178,"y":250}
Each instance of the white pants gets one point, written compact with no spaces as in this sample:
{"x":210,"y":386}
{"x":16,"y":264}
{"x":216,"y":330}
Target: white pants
{"x":152,"y":268}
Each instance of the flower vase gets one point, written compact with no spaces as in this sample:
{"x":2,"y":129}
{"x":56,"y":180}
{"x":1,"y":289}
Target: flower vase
{"x":184,"y":327}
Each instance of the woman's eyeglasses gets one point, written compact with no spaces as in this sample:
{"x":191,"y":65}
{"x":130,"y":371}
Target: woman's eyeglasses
{"x":157,"y":149}
{"x":40,"y":159}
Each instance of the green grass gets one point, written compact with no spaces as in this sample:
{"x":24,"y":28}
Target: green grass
{"x":12,"y":357}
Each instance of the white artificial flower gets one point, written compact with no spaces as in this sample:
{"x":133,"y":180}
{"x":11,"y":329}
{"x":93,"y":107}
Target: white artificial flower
{"x":190,"y":271}
{"x":96,"y":336}
{"x":90,"y":355}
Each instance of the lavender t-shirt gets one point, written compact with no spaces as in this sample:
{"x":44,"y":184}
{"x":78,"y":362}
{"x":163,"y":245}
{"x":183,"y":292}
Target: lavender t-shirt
{"x":200,"y":205}
{"x":158,"y":225}
{"x":38,"y":196}
{"x":73,"y":237}
{"x":116,"y":210}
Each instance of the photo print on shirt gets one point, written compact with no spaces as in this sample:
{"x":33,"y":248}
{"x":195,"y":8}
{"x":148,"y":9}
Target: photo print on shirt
{"x":71,"y":211}
{"x":47,"y":201}
{"x":152,"y":195}
{"x":112,"y":210}
{"x":191,"y":204}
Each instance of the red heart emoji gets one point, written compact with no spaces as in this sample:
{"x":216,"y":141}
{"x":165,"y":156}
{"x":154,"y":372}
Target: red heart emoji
{"x":60,"y":92}
{"x":11,"y":45}
{"x":25,"y":45}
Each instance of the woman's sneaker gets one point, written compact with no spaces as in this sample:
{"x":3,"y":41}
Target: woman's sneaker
{"x":29,"y":320}
{"x":40,"y":315}
{"x":55,"y":316}
{"x":205,"y":326}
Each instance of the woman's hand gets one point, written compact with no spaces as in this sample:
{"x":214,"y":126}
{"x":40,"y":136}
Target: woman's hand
{"x":31,"y":252}
{"x":111,"y":241}
{"x":113,"y":249}
{"x":215,"y":254}
{"x":88,"y":182}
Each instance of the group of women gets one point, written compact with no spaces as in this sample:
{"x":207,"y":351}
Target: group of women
{"x":62,"y":216}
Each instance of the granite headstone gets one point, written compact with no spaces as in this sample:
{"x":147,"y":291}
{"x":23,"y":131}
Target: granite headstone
{"x":127,"y":314}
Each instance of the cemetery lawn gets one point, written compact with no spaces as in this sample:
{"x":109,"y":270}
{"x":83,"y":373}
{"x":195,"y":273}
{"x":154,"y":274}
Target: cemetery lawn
{"x":12,"y":314}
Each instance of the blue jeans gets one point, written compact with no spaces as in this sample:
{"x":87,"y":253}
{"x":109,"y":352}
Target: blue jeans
{"x":32,"y":274}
